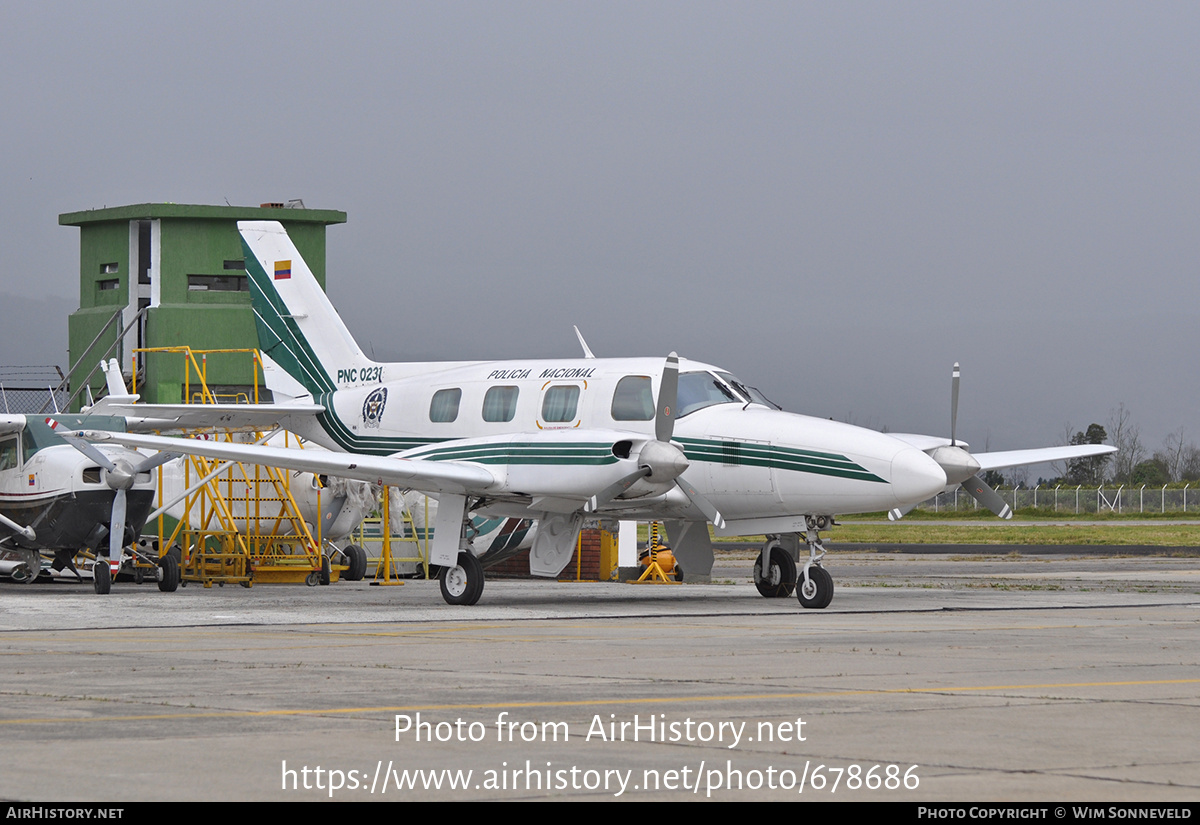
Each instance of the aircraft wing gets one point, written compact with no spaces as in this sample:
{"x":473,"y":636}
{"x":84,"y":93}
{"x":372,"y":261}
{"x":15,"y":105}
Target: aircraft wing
{"x":1016,"y":458}
{"x":1008,"y":458}
{"x":11,"y":424}
{"x":457,"y":478}
{"x":141,"y":418}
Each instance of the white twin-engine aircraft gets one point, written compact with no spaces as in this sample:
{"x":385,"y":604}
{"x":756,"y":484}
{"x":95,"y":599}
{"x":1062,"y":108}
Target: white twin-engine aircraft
{"x":564,"y":440}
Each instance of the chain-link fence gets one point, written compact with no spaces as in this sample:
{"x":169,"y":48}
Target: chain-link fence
{"x":1079,"y":499}
{"x":27,"y":390}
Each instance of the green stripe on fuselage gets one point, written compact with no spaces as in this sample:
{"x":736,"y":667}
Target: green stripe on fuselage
{"x":741,"y":453}
{"x":523,"y":453}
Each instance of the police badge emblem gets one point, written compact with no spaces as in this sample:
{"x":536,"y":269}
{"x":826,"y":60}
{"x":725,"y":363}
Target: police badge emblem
{"x":373,"y":408}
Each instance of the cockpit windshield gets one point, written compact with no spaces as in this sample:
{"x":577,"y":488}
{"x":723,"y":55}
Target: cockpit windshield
{"x":698,"y":390}
{"x":747,"y":392}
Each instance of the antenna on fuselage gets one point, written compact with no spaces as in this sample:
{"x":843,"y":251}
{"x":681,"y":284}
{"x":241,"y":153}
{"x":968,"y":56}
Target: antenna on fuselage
{"x":587,"y":352}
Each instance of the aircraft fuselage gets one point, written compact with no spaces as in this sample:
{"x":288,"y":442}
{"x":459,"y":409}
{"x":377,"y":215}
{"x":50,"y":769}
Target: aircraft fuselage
{"x":763,"y":468}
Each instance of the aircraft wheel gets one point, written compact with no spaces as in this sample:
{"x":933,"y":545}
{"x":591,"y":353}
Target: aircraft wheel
{"x":780,"y":579}
{"x":101,"y":577}
{"x":170,"y":574}
{"x":358,"y":563}
{"x":816,"y":591}
{"x":462,"y":583}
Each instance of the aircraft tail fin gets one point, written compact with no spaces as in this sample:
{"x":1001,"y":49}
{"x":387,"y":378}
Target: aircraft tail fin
{"x":298,"y":328}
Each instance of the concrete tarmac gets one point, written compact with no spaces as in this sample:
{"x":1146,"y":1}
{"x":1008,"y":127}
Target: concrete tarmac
{"x":929,"y":678}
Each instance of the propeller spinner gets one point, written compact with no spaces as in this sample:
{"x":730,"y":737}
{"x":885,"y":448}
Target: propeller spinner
{"x":120,"y":475}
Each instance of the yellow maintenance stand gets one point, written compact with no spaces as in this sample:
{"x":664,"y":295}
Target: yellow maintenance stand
{"x":240,"y":523}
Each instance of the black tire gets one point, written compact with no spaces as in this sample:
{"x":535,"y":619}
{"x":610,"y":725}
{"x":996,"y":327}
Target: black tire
{"x":326,"y":572}
{"x":817,"y":592}
{"x":771,"y":586}
{"x":463,"y":583}
{"x":357,"y":563}
{"x":678,"y":572}
{"x":101,"y":577}
{"x":170,"y":574}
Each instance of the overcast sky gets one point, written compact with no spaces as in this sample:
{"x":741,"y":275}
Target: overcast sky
{"x":835,"y":201}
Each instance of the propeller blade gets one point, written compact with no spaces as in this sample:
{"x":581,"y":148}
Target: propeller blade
{"x":702,"y":504}
{"x":954,"y":379}
{"x":116,"y":529}
{"x":615,"y":489}
{"x":668,"y":390}
{"x":986,"y":496}
{"x":896,"y":513}
{"x":155,"y":461}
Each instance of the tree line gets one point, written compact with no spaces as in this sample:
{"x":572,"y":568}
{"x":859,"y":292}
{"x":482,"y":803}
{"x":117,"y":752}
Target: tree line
{"x":1133,"y":464}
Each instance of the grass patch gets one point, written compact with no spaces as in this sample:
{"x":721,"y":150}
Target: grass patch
{"x":1038,"y":514}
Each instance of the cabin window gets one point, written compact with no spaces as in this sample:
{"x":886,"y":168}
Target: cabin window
{"x":8,"y":454}
{"x":560,"y":404}
{"x":444,"y":406}
{"x":500,"y":404}
{"x":633,"y":399}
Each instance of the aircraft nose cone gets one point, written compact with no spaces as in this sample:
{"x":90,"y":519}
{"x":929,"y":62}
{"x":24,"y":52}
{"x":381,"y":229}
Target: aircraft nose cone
{"x":915,"y":477}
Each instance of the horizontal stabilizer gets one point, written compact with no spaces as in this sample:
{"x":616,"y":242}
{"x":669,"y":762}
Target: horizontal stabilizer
{"x":427,"y":476}
{"x":159,"y":417}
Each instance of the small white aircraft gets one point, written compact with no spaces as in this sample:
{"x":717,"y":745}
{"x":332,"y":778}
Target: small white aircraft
{"x":564,"y":440}
{"x":63,"y":495}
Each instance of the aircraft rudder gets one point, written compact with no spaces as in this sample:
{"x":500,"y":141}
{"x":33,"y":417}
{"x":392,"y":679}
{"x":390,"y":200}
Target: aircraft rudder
{"x":297,"y":325}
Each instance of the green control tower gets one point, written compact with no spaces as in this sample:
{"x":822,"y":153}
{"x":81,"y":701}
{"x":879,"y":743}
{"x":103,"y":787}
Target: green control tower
{"x":166,"y":274}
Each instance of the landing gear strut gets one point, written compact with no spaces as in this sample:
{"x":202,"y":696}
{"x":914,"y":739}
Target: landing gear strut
{"x":814,"y":587}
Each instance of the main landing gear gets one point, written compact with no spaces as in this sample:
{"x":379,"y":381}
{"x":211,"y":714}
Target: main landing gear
{"x":140,"y":561}
{"x":781,"y":576}
{"x":462,"y":583}
{"x":778,"y":579}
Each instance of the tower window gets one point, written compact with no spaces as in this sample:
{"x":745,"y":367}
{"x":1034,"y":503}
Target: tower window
{"x":218,"y":283}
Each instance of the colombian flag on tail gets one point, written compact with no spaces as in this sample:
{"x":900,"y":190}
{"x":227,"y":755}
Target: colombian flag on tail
{"x":283,"y":270}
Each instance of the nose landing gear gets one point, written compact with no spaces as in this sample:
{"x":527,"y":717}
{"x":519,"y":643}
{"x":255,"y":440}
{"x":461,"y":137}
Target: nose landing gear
{"x":782,"y":575}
